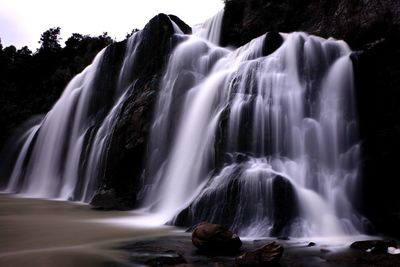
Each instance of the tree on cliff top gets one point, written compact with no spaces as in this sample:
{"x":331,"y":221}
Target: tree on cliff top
{"x":50,"y":40}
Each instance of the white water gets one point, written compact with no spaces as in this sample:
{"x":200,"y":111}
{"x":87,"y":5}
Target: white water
{"x":292,"y":113}
{"x":49,"y":162}
{"x":222,"y":117}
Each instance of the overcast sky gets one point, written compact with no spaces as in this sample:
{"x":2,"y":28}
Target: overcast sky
{"x":23,"y":21}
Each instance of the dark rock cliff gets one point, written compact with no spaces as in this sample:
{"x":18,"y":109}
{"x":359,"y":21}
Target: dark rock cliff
{"x":372,"y":29}
{"x":125,"y":158}
{"x":358,"y":22}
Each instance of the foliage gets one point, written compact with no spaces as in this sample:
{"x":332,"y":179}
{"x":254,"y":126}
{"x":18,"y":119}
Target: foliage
{"x":131,"y":33}
{"x":30,"y":83}
{"x":50,"y":40}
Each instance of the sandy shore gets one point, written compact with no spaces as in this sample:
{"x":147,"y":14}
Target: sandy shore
{"x":36,"y":232}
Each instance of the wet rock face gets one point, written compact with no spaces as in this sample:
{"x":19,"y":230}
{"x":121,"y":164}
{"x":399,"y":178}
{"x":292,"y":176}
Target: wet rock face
{"x":377,"y":73}
{"x":105,"y":200}
{"x":215,"y":239}
{"x":357,"y":22}
{"x":229,"y":205}
{"x":125,"y":157}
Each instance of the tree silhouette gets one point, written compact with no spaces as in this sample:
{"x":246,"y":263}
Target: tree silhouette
{"x":30,"y":83}
{"x":131,"y":33}
{"x":50,"y":40}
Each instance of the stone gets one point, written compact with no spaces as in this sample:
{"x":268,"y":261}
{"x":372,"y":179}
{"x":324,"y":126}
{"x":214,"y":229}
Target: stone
{"x":311,"y":244}
{"x":286,"y":208}
{"x":267,"y":255}
{"x":173,"y":259}
{"x":104,"y":199}
{"x":214,"y":239}
{"x":374,"y":246}
{"x":273,"y":40}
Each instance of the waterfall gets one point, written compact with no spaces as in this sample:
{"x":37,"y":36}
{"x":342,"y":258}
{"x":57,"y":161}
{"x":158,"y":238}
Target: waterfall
{"x":211,"y":29}
{"x":75,"y":130}
{"x":264,"y":142}
{"x":262,"y":138}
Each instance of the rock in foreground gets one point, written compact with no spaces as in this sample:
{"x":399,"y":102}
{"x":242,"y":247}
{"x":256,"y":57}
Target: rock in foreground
{"x":214,"y":239}
{"x":267,"y":255}
{"x":374,"y":246}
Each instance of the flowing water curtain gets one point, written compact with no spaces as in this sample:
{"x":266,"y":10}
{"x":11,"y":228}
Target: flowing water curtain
{"x":63,"y":155}
{"x":250,"y":134}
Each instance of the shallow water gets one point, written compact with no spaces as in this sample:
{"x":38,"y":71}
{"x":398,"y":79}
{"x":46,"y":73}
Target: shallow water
{"x":37,"y":232}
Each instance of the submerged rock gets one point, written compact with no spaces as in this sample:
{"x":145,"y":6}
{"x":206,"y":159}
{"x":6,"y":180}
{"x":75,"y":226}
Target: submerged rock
{"x":374,"y":246}
{"x":173,"y":259}
{"x":269,"y":254}
{"x":311,"y":244}
{"x":104,"y":199}
{"x":214,"y":239}
{"x":107,"y":199}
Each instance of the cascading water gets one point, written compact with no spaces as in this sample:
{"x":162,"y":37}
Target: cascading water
{"x":262,"y":138}
{"x":75,"y":130}
{"x":263,"y":142}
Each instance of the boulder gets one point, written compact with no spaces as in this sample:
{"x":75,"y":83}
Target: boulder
{"x":273,"y":40}
{"x":104,"y":199}
{"x":311,"y":244}
{"x":374,"y":246}
{"x":285,"y":205}
{"x":107,"y":199}
{"x":214,"y":238}
{"x":267,"y":255}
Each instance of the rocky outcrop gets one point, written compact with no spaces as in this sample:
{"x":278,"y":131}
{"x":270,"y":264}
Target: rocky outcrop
{"x":215,"y":239}
{"x":228,"y":204}
{"x":356,"y":21}
{"x":124,"y":160}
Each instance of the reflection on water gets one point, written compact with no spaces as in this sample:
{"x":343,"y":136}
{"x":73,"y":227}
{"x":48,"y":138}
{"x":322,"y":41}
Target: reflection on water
{"x":37,"y":232}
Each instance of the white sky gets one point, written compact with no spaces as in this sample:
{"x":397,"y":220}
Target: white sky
{"x":23,"y":21}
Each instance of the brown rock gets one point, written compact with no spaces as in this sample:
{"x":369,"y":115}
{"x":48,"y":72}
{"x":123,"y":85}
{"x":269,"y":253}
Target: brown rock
{"x":269,"y":254}
{"x":214,"y":238}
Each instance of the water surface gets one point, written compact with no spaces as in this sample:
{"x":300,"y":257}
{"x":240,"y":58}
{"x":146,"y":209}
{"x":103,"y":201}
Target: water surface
{"x":37,"y":232}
